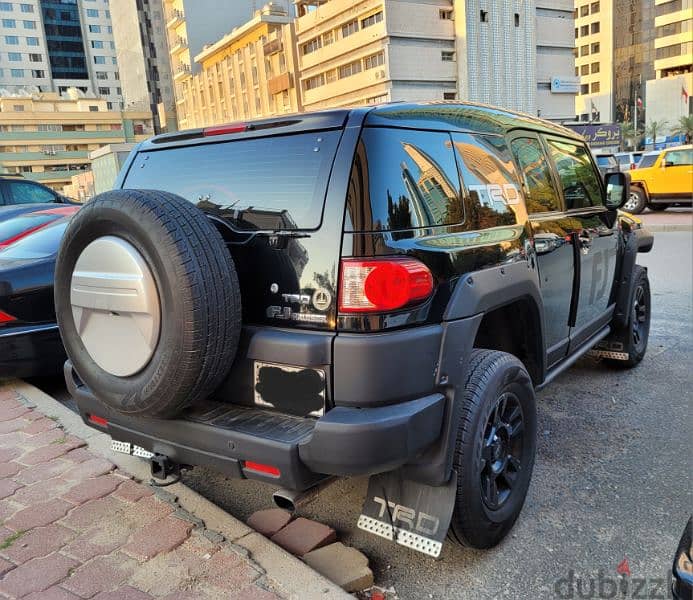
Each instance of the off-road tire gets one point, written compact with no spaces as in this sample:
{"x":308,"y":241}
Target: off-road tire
{"x":491,"y":376}
{"x":635,"y":333}
{"x":637,"y":201}
{"x":199,"y":295}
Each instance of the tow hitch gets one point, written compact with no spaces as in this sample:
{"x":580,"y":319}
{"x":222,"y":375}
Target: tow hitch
{"x":162,"y":466}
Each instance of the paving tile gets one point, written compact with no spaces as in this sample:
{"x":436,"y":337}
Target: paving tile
{"x":9,"y":469}
{"x":37,"y":575}
{"x":40,"y":425}
{"x":38,"y":515}
{"x":101,"y":574}
{"x":270,"y":521}
{"x":42,"y":491}
{"x":123,"y":593}
{"x":8,"y":454}
{"x":8,"y":487}
{"x":5,"y":565}
{"x":78,"y":455}
{"x":52,"y":593}
{"x":84,"y":516}
{"x":91,"y":489}
{"x":13,"y":425}
{"x":157,"y":537}
{"x":37,"y":543}
{"x":42,"y":472}
{"x":46,"y":453}
{"x":103,"y":538}
{"x":89,"y":468}
{"x":303,"y":535}
{"x":132,"y":491}
{"x":9,"y":412}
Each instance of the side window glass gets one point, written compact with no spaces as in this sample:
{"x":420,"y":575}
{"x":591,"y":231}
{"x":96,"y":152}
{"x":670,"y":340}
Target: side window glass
{"x":489,"y":175}
{"x":22,"y":192}
{"x":536,"y":175}
{"x":403,"y":179}
{"x":579,"y":178}
{"x":679,"y":158}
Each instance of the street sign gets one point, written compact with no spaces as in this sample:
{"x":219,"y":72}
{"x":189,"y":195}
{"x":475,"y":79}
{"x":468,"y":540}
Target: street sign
{"x":565,"y":85}
{"x":599,"y":136}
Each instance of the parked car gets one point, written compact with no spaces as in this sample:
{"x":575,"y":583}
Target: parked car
{"x":607,"y":163}
{"x":14,"y":189}
{"x":351,"y":292}
{"x":627,"y":161}
{"x":662,"y":179}
{"x":17,"y":227}
{"x":682,"y":569}
{"x":30,"y":343}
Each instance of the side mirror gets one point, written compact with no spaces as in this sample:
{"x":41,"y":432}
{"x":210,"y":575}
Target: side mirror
{"x":617,"y":190}
{"x":667,"y":163}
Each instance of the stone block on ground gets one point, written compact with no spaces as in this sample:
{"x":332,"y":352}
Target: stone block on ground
{"x":343,"y":565}
{"x":270,"y":521}
{"x":37,"y":575}
{"x":303,"y":535}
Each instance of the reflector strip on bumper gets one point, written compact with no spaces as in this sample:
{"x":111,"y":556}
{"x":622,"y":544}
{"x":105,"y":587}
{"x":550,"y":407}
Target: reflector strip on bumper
{"x":404,"y":538}
{"x":128,"y":448}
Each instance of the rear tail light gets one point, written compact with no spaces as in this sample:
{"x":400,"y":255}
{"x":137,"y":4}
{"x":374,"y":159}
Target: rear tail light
{"x":96,"y":420}
{"x":379,"y":285}
{"x":262,"y":468}
{"x":6,"y":318}
{"x":223,"y":129}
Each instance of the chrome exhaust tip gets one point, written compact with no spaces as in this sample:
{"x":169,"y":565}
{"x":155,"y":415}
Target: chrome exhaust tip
{"x":291,"y":500}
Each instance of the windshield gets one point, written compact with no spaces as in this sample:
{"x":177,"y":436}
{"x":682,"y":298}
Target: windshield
{"x":647,"y":161}
{"x":271,"y":183}
{"x":41,"y":244}
{"x":14,"y":227}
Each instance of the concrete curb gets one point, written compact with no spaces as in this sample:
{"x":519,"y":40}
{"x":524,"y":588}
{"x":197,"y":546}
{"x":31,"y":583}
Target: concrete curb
{"x":666,"y":228}
{"x":294,"y":577}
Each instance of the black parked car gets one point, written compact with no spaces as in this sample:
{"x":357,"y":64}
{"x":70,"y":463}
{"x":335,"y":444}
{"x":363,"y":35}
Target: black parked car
{"x":29,"y":339}
{"x":14,"y":189}
{"x":371,"y":291}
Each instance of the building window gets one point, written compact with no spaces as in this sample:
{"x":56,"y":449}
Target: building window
{"x":594,"y":28}
{"x":594,"y":8}
{"x":93,"y":13}
{"x":585,"y":88}
{"x":100,"y":60}
{"x":314,"y":82}
{"x":29,"y":24}
{"x":585,"y":30}
{"x":595,"y":67}
{"x":97,"y":44}
{"x":670,"y":7}
{"x":331,"y":76}
{"x":93,"y":108}
{"x":372,"y":20}
{"x":595,"y":87}
{"x":104,"y":91}
{"x":114,"y":60}
{"x":447,"y":55}
{"x":14,"y":56}
{"x":11,"y":40}
{"x":9,"y":23}
{"x":17,"y":73}
{"x":327,"y":38}
{"x":311,"y":46}
{"x":445,"y":14}
{"x":109,"y":29}
{"x":26,"y":8}
{"x":673,"y":50}
{"x":94,"y":28}
{"x":350,"y":69}
{"x":349,"y":28}
{"x":35,"y":58}
{"x":517,"y":19}
{"x":584,"y":50}
{"x":371,"y":62}
{"x":585,"y":10}
{"x":449,"y":95}
{"x":585,"y":70}
{"x":5,"y":6}
{"x":595,"y":48}
{"x":32,"y":41}
{"x":483,"y":16}
{"x":37,"y":74}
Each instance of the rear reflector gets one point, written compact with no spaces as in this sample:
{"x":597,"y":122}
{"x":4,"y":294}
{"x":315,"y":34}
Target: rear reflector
{"x":100,"y":421}
{"x":6,"y":318}
{"x":222,"y":129}
{"x":379,"y":285}
{"x":260,"y":468}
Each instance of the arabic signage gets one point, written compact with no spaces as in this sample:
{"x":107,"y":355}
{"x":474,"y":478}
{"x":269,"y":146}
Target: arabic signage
{"x":565,"y":85}
{"x":599,"y":136}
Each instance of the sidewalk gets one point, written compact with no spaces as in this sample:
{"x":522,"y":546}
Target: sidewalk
{"x":672,"y":219}
{"x":73,"y":525}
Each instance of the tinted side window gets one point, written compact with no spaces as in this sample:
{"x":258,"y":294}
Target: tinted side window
{"x":489,"y":176}
{"x":679,"y":157}
{"x":647,"y":161}
{"x":536,"y":174}
{"x":23,"y":192}
{"x":403,"y":179}
{"x":579,"y":179}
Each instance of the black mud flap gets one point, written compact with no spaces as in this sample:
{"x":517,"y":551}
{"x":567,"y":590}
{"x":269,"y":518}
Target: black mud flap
{"x":412,"y":514}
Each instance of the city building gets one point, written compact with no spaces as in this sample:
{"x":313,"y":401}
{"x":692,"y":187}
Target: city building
{"x":53,"y":45}
{"x":48,"y":137}
{"x":190,"y":26}
{"x":142,"y":53}
{"x":372,"y":51}
{"x":248,"y":73}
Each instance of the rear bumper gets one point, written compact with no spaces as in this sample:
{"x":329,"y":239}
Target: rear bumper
{"x":345,"y":441}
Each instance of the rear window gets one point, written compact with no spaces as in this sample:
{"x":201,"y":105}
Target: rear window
{"x":42,"y":244}
{"x":18,"y":225}
{"x":647,"y":161}
{"x":276,"y":183}
{"x":606,"y":161}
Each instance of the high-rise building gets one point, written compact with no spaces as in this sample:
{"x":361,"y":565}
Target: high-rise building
{"x":190,"y":26}
{"x":47,"y":137}
{"x":139,"y":31}
{"x":673,"y":37}
{"x":248,"y":73}
{"x":385,"y":50}
{"x":54,"y":45}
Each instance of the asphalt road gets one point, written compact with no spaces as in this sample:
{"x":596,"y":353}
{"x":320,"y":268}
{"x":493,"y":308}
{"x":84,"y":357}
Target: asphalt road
{"x":612,"y":478}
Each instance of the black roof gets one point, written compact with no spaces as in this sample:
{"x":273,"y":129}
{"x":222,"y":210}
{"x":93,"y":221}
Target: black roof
{"x":461,"y":116}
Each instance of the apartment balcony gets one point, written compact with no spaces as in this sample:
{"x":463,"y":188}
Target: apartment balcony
{"x":175,"y":18}
{"x":178,"y":45}
{"x":9,"y":158}
{"x":280,"y":83}
{"x":341,"y":48}
{"x":52,"y":176}
{"x":65,"y":137}
{"x":182,"y":72}
{"x":273,"y":47}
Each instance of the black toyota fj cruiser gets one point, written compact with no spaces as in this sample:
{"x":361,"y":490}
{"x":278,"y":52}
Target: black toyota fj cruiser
{"x":373,"y":291}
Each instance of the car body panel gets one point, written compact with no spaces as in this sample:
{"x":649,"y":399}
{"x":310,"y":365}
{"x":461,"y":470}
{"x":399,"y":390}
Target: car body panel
{"x":667,"y":181}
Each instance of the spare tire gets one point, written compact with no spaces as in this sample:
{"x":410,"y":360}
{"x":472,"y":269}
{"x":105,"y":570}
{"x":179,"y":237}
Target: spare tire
{"x":147,"y":300}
